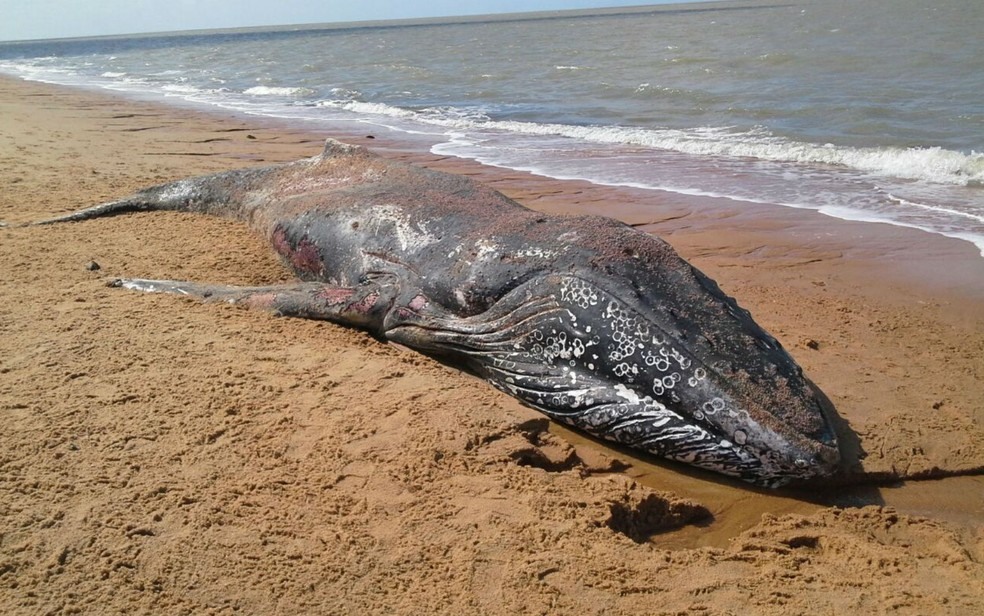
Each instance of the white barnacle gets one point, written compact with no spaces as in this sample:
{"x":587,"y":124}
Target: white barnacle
{"x":577,"y":292}
{"x":680,"y":359}
{"x":577,"y":347}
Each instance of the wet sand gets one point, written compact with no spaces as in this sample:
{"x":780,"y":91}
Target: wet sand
{"x":161,"y":456}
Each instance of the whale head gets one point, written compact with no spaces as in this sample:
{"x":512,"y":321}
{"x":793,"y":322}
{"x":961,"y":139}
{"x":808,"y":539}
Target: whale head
{"x":706,"y":387}
{"x":640,"y":348}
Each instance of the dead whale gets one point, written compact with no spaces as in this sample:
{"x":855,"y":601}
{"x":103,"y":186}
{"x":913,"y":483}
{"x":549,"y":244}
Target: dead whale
{"x":596,"y":324}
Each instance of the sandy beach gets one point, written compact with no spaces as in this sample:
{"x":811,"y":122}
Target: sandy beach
{"x":161,"y":456}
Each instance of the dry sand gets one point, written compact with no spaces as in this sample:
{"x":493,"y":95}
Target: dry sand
{"x":159,"y":456}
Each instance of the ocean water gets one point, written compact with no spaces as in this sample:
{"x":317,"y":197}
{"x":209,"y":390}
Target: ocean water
{"x":869,"y":111}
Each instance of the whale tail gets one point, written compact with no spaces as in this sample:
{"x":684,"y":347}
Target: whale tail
{"x":219,"y":194}
{"x":112,"y":208}
{"x":203,"y":194}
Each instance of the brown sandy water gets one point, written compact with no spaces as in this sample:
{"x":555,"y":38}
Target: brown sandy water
{"x":162,"y":456}
{"x":736,"y":507}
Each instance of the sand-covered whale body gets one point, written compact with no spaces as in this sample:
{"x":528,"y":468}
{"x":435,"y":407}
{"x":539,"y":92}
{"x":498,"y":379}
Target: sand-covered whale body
{"x":594,"y":323}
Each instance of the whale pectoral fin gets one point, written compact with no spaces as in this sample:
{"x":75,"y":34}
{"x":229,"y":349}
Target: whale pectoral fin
{"x":361,"y":306}
{"x":542,"y":344}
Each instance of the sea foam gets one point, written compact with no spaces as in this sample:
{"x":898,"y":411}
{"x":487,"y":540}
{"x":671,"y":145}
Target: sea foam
{"x":278,"y":91}
{"x":934,"y":164}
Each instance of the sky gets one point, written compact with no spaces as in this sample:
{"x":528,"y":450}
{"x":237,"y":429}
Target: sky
{"x":37,"y":19}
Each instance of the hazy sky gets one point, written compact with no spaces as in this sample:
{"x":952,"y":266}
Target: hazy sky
{"x":31,"y":19}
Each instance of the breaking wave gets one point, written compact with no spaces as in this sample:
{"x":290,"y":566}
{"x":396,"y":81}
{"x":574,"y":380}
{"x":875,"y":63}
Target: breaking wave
{"x":275,"y":91}
{"x":936,"y":165}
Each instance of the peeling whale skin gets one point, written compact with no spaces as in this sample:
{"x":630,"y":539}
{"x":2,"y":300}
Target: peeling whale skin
{"x":596,"y":324}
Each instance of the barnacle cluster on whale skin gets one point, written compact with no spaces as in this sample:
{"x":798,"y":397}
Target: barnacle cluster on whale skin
{"x":616,"y":375}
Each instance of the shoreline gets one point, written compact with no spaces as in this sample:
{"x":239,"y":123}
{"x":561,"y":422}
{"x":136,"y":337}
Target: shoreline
{"x":274,"y":439}
{"x":905,"y":255}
